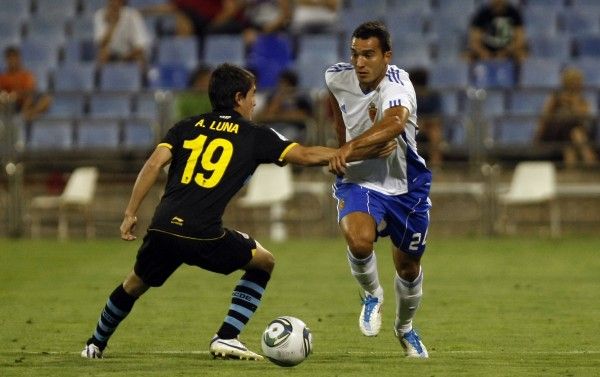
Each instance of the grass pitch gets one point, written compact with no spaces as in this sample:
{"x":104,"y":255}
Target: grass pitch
{"x":498,"y":307}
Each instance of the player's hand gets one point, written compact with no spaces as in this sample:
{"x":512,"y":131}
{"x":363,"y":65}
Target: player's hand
{"x":337,"y":163}
{"x":127,"y":228}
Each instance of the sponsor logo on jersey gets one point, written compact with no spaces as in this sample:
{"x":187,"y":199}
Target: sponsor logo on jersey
{"x":177,"y":221}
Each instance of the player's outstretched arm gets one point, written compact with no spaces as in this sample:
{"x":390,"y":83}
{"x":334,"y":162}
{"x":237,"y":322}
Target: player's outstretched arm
{"x":309,"y":156}
{"x":144,"y":182}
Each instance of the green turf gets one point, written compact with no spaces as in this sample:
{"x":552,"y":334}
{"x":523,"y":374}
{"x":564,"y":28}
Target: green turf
{"x":501,"y":307}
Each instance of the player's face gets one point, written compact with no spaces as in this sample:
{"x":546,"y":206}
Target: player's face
{"x":247,"y":103}
{"x":369,"y":61}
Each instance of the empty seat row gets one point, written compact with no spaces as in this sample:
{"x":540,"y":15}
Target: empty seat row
{"x":88,"y":134}
{"x":102,"y":105}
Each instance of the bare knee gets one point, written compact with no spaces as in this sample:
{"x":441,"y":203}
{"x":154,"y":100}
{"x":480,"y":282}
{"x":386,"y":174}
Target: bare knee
{"x":407,"y":266}
{"x":134,"y":285}
{"x":359,"y":231}
{"x":262,"y":260}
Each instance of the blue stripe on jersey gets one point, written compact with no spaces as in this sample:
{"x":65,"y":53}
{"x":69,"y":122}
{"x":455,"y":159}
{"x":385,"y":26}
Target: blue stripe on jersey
{"x":394,"y":75}
{"x":339,"y":67}
{"x":417,"y":174}
{"x":395,"y":102}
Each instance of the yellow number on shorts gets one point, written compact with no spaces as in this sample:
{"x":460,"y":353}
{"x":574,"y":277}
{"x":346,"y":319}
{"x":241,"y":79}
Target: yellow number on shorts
{"x":216,"y":168}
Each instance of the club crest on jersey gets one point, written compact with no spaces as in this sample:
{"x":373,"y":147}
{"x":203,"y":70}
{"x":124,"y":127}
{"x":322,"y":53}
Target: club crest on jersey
{"x":341,"y":204}
{"x":177,"y":221}
{"x":372,"y":111}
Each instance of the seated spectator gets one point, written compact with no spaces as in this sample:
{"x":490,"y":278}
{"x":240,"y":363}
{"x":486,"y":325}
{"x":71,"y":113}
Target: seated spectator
{"x":288,"y":110}
{"x":566,"y":119}
{"x":20,"y":85}
{"x":314,"y":16}
{"x":429,"y":109}
{"x":120,"y":34}
{"x":201,"y":17}
{"x":497,"y":31}
{"x":195,"y":100}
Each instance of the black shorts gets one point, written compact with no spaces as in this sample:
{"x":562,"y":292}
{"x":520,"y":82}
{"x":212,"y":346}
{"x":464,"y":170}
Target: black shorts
{"x":162,"y":253}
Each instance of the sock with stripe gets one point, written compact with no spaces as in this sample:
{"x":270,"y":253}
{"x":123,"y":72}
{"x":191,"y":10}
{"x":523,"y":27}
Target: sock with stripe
{"x":408,"y":297}
{"x":245,"y":299}
{"x":117,"y":307}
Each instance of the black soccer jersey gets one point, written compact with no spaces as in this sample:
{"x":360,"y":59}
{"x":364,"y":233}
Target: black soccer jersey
{"x":213,"y":156}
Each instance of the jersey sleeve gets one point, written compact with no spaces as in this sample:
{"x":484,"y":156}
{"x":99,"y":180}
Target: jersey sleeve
{"x":270,"y":146}
{"x":398,"y":94}
{"x":171,"y":139}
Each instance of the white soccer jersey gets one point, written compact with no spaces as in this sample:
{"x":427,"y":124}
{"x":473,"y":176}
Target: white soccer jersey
{"x":404,"y":168}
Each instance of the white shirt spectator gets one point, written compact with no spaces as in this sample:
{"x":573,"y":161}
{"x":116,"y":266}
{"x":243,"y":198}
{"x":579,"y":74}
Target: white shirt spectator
{"x":130,"y":31}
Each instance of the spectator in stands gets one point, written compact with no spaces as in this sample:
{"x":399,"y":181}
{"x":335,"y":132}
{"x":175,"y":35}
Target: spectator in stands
{"x":566,"y":119}
{"x":20,"y":86}
{"x":120,"y":34}
{"x":288,"y":110}
{"x":265,"y":17}
{"x":201,"y":17}
{"x":195,"y":100}
{"x":429,"y":103}
{"x":497,"y":32}
{"x":314,"y":16}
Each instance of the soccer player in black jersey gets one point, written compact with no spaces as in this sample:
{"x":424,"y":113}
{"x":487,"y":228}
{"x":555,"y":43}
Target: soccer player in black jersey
{"x":211,"y":156}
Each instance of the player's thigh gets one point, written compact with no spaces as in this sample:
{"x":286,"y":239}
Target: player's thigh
{"x":359,"y":213}
{"x":408,"y":223}
{"x":157,"y":259}
{"x":262,"y":259}
{"x":224,"y":255}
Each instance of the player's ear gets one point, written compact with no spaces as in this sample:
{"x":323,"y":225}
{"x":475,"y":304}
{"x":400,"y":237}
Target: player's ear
{"x":387,"y":56}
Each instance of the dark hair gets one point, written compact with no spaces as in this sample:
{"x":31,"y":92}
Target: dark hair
{"x":225,"y":81}
{"x":375,"y":29}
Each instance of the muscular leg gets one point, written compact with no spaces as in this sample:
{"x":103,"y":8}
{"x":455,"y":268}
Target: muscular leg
{"x":359,"y":230}
{"x":408,"y":287}
{"x":117,"y":308}
{"x":248,"y":293}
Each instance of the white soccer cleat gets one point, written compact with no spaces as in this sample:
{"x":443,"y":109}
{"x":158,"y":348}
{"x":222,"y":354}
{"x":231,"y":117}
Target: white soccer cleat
{"x":411,"y":342}
{"x":370,"y":315}
{"x":91,"y":351}
{"x":231,"y":349}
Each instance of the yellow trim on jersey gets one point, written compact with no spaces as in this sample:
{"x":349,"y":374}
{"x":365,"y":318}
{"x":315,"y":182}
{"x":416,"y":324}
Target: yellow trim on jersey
{"x":166,"y":145}
{"x":187,"y":237}
{"x":253,"y":251}
{"x":286,"y":150}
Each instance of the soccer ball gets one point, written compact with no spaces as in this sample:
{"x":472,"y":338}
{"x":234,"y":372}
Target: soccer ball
{"x":286,"y":341}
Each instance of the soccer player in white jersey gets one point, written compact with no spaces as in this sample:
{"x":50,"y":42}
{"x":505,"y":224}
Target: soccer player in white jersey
{"x":383,"y":197}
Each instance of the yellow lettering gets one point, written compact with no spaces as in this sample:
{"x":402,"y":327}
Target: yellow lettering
{"x":200,"y":123}
{"x":225,"y":126}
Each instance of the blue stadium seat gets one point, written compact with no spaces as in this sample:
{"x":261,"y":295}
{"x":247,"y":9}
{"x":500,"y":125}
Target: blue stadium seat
{"x":168,"y":76}
{"x":91,"y":6}
{"x":42,"y":74}
{"x":64,"y":8}
{"x":121,"y":77}
{"x":550,"y":4}
{"x":83,"y":27}
{"x":16,"y":9}
{"x":408,"y":6}
{"x":138,"y":134}
{"x":541,"y":20}
{"x":462,"y":9}
{"x":214,"y":53}
{"x":178,"y":50}
{"x":585,"y":4}
{"x":66,"y":105}
{"x":74,"y":77}
{"x":419,"y":55}
{"x":110,"y":105}
{"x":375,"y":8}
{"x":494,"y":74}
{"x":408,"y":22}
{"x":47,"y":27}
{"x":588,"y":45}
{"x":98,"y":134}
{"x":40,"y":51}
{"x":494,"y":103}
{"x":316,"y":53}
{"x":144,"y":3}
{"x":442,"y":25}
{"x":450,"y":104}
{"x":527,"y":102}
{"x":449,"y":75}
{"x":541,"y":73}
{"x":10,"y":30}
{"x":550,"y":47}
{"x":515,"y":131}
{"x":146,"y":106}
{"x":449,"y":46}
{"x":51,"y":135}
{"x":454,"y":131}
{"x":79,"y":51}
{"x":579,"y":22}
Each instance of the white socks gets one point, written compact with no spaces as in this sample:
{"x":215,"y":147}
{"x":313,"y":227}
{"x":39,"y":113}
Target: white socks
{"x":408,"y":297}
{"x":365,"y":273}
